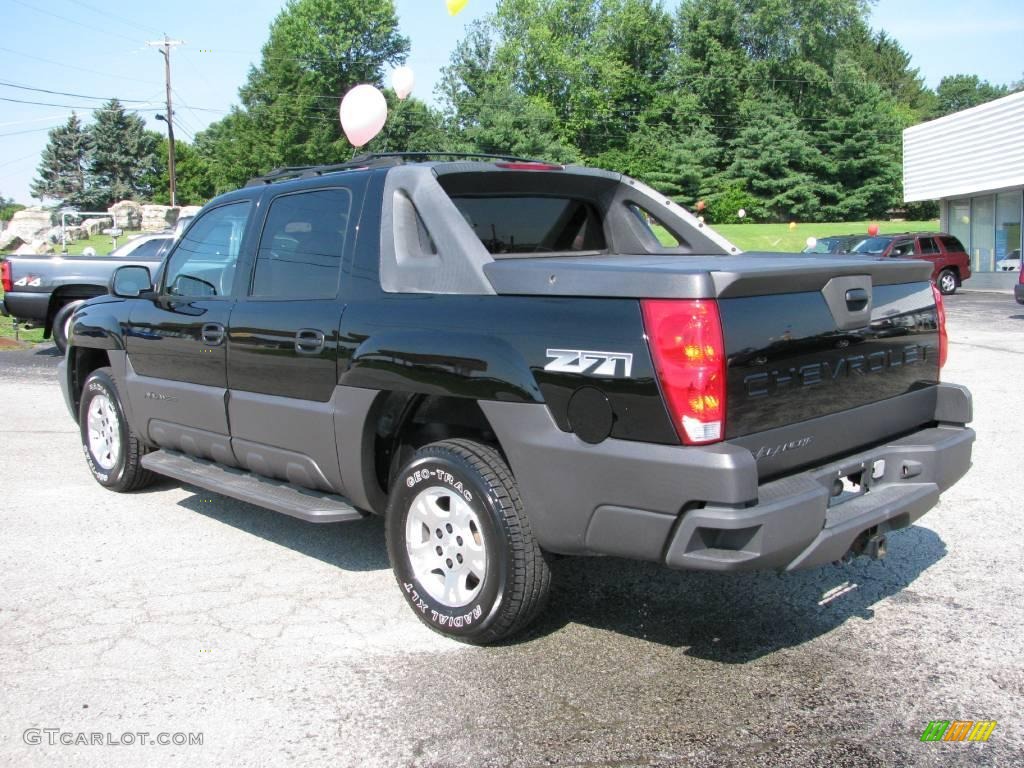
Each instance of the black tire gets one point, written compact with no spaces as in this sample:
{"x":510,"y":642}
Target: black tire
{"x":59,"y":329}
{"x":515,"y":580}
{"x":947,"y":281}
{"x":125,"y":471}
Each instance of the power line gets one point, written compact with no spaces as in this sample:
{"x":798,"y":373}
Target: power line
{"x":106,"y":15}
{"x":73,"y":21}
{"x":75,"y":95}
{"x":69,"y":106}
{"x":75,"y":67}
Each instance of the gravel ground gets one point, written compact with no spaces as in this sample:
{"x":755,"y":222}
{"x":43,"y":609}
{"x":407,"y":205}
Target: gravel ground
{"x":177,"y":611}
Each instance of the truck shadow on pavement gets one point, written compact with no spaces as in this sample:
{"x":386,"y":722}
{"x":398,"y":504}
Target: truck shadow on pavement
{"x":357,"y":546}
{"x":732,"y":618}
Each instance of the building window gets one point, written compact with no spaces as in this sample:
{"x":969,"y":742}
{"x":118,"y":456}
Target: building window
{"x":1007,"y":224}
{"x":959,"y":220}
{"x":983,"y":236}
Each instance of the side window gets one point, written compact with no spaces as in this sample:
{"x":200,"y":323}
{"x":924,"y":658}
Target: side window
{"x":929,"y":246}
{"x":905,"y":248}
{"x":203,"y":264}
{"x":151,"y":250}
{"x":302,"y":245}
{"x":657,"y":229}
{"x":952,"y":244}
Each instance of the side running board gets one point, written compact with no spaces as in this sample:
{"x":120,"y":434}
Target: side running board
{"x":312,"y":506}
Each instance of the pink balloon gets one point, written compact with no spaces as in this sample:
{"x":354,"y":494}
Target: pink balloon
{"x":363,"y":112}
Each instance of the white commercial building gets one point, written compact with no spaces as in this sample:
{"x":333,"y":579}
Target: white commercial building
{"x":972,"y":162}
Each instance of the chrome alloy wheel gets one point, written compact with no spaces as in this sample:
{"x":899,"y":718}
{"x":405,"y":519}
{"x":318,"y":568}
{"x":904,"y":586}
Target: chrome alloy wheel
{"x":104,"y":432}
{"x":445,"y":544}
{"x":947,"y":282}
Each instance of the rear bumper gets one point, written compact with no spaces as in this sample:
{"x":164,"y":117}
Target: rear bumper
{"x":25,"y":306}
{"x":704,"y":508}
{"x":792,"y":525}
{"x":1018,"y":293}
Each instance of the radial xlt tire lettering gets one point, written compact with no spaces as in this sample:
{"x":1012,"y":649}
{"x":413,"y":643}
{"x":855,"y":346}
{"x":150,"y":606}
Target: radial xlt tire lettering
{"x":461,"y":546}
{"x":112,"y":451}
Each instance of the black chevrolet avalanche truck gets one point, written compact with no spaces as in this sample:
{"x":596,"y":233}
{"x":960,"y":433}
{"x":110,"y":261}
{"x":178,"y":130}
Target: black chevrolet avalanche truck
{"x":508,"y":360}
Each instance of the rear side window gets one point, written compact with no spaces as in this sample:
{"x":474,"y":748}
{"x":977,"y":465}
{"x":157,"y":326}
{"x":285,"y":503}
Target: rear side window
{"x":951,"y":244}
{"x":302,"y":245}
{"x":151,"y":250}
{"x":929,"y":246}
{"x":533,"y":224}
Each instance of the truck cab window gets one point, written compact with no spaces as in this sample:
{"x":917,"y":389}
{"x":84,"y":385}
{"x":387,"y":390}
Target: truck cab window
{"x":203,"y":264}
{"x":302,"y":245}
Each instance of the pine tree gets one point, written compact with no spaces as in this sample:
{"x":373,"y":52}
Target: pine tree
{"x":63,"y":165}
{"x":124,"y":158}
{"x":777,"y":160}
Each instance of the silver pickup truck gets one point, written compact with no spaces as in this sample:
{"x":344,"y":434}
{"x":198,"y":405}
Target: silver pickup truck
{"x":44,"y":291}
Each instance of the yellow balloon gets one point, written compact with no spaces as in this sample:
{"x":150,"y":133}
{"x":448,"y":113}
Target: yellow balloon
{"x":454,"y":6}
{"x":792,"y":226}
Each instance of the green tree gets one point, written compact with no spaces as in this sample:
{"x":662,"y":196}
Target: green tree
{"x":8,"y":208}
{"x":316,"y":52}
{"x":193,"y":185}
{"x":62,"y":171}
{"x":124,"y":159}
{"x":957,"y":92}
{"x":776,"y":160}
{"x":862,"y":139}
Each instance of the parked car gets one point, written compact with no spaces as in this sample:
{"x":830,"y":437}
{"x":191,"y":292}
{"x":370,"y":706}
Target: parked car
{"x":1011,"y":263}
{"x":504,"y":361}
{"x":834,"y":244}
{"x":950,"y":263}
{"x":44,"y":291}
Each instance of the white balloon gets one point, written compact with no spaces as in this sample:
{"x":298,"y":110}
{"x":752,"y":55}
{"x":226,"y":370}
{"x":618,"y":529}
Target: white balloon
{"x":811,"y":242}
{"x":363,"y":112}
{"x":741,"y":213}
{"x":403,"y":80}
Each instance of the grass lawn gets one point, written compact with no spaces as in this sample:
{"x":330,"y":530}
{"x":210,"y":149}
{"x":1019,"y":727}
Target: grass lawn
{"x":778,"y":237}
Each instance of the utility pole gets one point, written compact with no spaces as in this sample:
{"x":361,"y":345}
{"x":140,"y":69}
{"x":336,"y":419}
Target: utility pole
{"x":165,"y":45}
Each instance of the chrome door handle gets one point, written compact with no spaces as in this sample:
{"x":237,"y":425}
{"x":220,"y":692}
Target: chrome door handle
{"x":213,"y":334}
{"x":309,"y":340}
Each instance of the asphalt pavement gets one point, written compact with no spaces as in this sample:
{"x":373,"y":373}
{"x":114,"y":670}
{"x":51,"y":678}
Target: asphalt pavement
{"x":178,"y":613}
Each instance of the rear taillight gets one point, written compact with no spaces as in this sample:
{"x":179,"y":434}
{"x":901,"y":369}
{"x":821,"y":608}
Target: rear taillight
{"x":5,"y":276}
{"x":685,"y":336}
{"x":940,"y":315}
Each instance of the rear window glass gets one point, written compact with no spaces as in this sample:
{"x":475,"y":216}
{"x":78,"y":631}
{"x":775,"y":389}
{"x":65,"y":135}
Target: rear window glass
{"x":952,"y":244}
{"x":928,"y":245}
{"x":533,"y":224}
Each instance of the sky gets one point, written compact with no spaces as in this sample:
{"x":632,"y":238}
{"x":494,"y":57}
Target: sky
{"x":99,"y":49}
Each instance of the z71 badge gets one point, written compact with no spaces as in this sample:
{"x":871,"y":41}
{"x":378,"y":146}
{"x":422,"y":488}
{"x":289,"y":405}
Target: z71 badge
{"x":592,"y":363}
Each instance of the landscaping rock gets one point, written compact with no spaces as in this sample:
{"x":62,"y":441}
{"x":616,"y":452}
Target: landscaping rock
{"x":30,"y":224}
{"x":36,"y":247}
{"x":158,"y":217}
{"x":95,"y":226}
{"x":9,"y":241}
{"x":127,"y":214}
{"x":189,"y":210}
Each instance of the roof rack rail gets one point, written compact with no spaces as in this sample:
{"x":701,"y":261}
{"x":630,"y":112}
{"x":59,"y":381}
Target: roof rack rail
{"x":374,"y":160}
